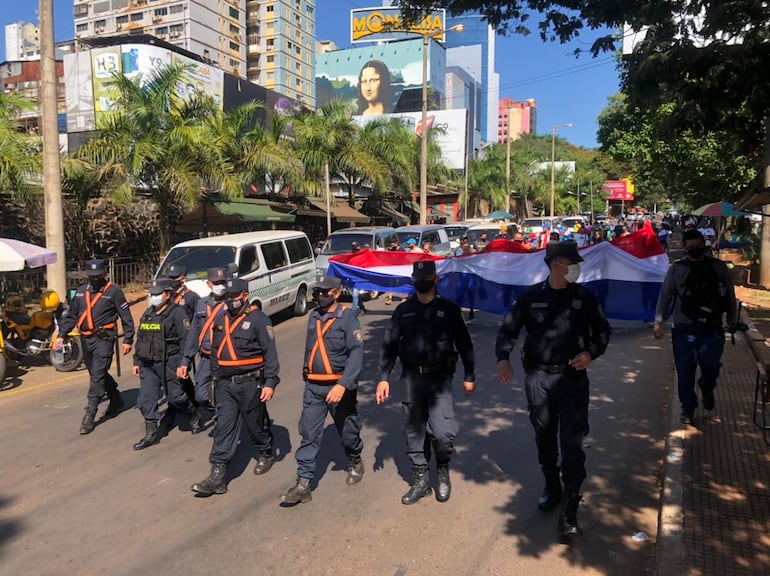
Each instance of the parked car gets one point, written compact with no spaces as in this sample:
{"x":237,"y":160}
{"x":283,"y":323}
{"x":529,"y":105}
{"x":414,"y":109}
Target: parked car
{"x":433,"y":233}
{"x":341,"y":242}
{"x":572,"y":221}
{"x":493,"y":232}
{"x":536,"y":224}
{"x":455,"y":232}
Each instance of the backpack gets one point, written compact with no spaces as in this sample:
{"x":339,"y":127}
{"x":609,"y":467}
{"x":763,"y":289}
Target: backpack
{"x":703,"y":299}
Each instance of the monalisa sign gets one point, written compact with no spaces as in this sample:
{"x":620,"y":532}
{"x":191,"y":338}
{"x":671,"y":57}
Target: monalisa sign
{"x":384,"y":24}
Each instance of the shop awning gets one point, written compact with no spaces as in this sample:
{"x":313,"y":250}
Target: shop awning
{"x":341,"y":212}
{"x":385,"y":210}
{"x":253,"y":210}
{"x":415,"y":207}
{"x":222,"y":216}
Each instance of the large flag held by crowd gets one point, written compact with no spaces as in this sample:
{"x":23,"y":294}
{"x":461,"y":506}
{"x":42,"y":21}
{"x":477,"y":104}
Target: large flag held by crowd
{"x":625,"y":274}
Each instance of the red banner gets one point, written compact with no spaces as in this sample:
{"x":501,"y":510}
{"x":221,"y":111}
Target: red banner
{"x":618,"y":190}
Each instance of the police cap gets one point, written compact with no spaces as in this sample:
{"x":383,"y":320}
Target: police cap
{"x":566,"y":249}
{"x":95,"y":267}
{"x":236,"y":286}
{"x":159,"y":285}
{"x":216,"y":274}
{"x":424,"y":268}
{"x":176,"y":270}
{"x":328,"y":282}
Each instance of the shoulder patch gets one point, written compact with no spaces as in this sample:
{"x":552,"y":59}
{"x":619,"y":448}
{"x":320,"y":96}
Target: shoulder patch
{"x":359,"y":334}
{"x":270,"y":333}
{"x":186,"y":323}
{"x":246,"y":325}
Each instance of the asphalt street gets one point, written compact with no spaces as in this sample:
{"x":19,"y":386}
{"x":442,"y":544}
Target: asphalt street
{"x":73,"y":505}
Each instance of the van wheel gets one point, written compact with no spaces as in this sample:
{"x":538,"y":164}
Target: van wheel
{"x":300,"y":304}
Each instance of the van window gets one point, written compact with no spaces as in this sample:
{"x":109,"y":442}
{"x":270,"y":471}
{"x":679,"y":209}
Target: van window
{"x":248,"y":260}
{"x":431,"y":237}
{"x":384,"y":240}
{"x":342,"y":243}
{"x":298,"y":249}
{"x":198,"y":259}
{"x":274,"y":255}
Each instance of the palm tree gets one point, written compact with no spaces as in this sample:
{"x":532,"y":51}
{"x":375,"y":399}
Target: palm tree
{"x":20,"y":153}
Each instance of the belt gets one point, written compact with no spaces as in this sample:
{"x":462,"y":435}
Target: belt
{"x":323,"y":381}
{"x":548,"y":368}
{"x":426,"y":368}
{"x":241,"y":378}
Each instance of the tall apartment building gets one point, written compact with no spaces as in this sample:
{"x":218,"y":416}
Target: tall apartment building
{"x":270,"y":42}
{"x":516,"y":118}
{"x":22,"y":41}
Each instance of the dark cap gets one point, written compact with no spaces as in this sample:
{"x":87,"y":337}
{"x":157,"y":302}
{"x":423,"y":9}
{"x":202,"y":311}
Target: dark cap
{"x":236,"y":286}
{"x":216,"y":274}
{"x":566,"y":249}
{"x":159,"y":285}
{"x":95,"y":267}
{"x":176,"y":270}
{"x":424,"y":268}
{"x":355,"y":245}
{"x":328,"y":282}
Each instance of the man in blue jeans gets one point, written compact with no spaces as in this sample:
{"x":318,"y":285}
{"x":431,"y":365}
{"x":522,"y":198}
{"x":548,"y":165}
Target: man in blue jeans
{"x":701,"y":291}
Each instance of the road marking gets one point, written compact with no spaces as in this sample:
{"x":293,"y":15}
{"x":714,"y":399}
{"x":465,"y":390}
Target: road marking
{"x":22,"y":390}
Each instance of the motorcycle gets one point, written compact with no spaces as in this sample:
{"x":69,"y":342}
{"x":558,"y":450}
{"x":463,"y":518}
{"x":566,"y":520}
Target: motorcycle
{"x":24,"y":334}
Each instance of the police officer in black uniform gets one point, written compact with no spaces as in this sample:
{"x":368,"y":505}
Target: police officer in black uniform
{"x":244,"y":363}
{"x":199,"y":342}
{"x":566,"y":330}
{"x":159,"y":340}
{"x":94,"y":311}
{"x":333,"y":359}
{"x":423,"y":333}
{"x":182,"y":295}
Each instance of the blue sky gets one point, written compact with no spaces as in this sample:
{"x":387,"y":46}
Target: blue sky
{"x":566,"y":89}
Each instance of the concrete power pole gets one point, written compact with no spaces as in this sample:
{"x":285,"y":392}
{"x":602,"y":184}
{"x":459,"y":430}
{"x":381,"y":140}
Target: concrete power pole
{"x":764,"y":251}
{"x":54,"y":219}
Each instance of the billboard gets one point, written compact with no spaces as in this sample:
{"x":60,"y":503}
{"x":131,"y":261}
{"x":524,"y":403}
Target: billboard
{"x":143,"y":60}
{"x":450,"y":133}
{"x":201,"y":78}
{"x":78,"y":92}
{"x":105,"y":62}
{"x":383,"y":24}
{"x":618,"y":190}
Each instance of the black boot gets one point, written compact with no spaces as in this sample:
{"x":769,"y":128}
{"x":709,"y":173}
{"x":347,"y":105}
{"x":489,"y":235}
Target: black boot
{"x":87,"y":426}
{"x":568,"y":524}
{"x":420,"y":486}
{"x":196,"y":421}
{"x":444,"y":487}
{"x":214,"y":484}
{"x":151,"y":436}
{"x":298,"y":493}
{"x":355,"y":471}
{"x":265,"y":461}
{"x":552,"y":491}
{"x":168,"y":421}
{"x":116,"y":403}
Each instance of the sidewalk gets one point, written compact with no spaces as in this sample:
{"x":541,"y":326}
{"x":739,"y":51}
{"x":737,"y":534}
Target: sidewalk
{"x":715,"y":511}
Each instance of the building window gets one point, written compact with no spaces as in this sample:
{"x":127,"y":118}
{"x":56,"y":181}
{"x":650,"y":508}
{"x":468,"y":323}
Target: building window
{"x":81,"y":27}
{"x":176,"y":29}
{"x":81,"y":10}
{"x":233,"y":13}
{"x":234,"y":46}
{"x":270,"y":8}
{"x":121,"y":19}
{"x":234,"y":62}
{"x":136,"y":16}
{"x":136,"y":32}
{"x":100,"y":26}
{"x":100,"y":7}
{"x":176,"y":9}
{"x":270,"y":59}
{"x":234,"y":29}
{"x":158,"y":12}
{"x":270,"y":43}
{"x":162,"y":31}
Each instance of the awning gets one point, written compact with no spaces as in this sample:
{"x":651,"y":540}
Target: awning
{"x":341,"y":212}
{"x":435,"y":212}
{"x":252,"y":210}
{"x":224,"y":216}
{"x":754,"y":199}
{"x":409,"y":205}
{"x":386,"y":210}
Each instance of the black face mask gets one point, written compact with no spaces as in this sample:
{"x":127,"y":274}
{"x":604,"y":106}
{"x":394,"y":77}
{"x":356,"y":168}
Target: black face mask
{"x":234,"y":305}
{"x":98,"y":283}
{"x":423,"y":286}
{"x":696,"y":252}
{"x":175,"y":284}
{"x":323,"y":299}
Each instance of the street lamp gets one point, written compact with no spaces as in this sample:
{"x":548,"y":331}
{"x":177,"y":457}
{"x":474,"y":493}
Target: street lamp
{"x":554,"y":128}
{"x":424,"y":124}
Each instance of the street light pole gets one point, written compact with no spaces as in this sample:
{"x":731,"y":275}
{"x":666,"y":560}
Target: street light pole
{"x":554,"y":128}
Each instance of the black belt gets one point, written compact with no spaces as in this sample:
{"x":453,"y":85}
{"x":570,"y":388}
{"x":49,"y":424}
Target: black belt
{"x":241,"y":378}
{"x":426,"y":368}
{"x":548,"y":368}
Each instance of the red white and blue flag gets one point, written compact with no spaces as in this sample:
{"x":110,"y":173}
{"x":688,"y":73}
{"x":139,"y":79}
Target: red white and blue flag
{"x":625,"y":275}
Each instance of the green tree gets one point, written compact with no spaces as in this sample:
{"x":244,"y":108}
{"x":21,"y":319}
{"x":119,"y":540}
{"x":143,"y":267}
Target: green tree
{"x":20,"y":152}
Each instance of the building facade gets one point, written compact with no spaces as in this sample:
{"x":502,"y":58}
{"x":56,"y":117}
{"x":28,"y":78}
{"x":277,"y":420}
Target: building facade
{"x":22,"y":41}
{"x":516,"y":118}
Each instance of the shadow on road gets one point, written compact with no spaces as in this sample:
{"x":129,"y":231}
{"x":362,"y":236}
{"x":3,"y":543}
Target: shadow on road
{"x":9,"y":529}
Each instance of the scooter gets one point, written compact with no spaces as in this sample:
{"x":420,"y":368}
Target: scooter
{"x":25,"y":335}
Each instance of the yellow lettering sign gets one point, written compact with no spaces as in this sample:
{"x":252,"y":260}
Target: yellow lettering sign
{"x":388,"y":22}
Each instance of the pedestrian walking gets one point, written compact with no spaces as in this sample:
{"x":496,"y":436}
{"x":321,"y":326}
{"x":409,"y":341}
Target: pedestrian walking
{"x":244,"y":365}
{"x":702,"y":293}
{"x":94,"y":311}
{"x":199,"y":344}
{"x":427,"y":332}
{"x":333,"y":359}
{"x":160,"y":339}
{"x":566,"y":330}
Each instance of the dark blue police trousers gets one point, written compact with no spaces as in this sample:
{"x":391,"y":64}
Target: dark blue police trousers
{"x":428,"y":416}
{"x":97,"y":355}
{"x":151,"y":386}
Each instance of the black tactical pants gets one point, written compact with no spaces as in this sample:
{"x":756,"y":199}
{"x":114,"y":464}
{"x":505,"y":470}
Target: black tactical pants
{"x":428,"y":416}
{"x":150,"y":386}
{"x":237,"y":402}
{"x":97,"y":355}
{"x":558,"y":407}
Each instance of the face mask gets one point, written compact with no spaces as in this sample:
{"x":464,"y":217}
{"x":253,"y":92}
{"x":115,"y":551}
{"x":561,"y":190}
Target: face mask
{"x":98,"y":283}
{"x":234,"y":305}
{"x":573,"y":273}
{"x":218,"y":290}
{"x":323,"y":300}
{"x":696,"y":253}
{"x":156,"y":300}
{"x":423,"y":286}
{"x":175,"y":284}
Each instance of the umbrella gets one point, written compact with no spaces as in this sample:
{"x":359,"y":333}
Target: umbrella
{"x":16,"y":255}
{"x":718,"y":210}
{"x":499,"y":215}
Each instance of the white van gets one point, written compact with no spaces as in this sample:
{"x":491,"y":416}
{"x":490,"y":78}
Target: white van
{"x":278,"y":265}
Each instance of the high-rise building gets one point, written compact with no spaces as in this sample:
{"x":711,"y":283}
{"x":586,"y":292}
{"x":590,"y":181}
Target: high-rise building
{"x":516,"y":118}
{"x":269,"y":42}
{"x":22,"y":42}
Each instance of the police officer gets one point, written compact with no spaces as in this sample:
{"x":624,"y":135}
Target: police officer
{"x":159,"y":340}
{"x":199,"y":342}
{"x":182,"y":295}
{"x":244,"y":363}
{"x":94,"y":311}
{"x":423,"y":333}
{"x":333,"y":358}
{"x":566,"y":330}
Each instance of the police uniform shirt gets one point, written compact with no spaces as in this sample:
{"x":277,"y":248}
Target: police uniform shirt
{"x":172,"y":324}
{"x":427,"y":335}
{"x":205,"y":307}
{"x":185,"y":297}
{"x":344,"y":345}
{"x":252,"y":338}
{"x":560,"y":324}
{"x":104,"y":311}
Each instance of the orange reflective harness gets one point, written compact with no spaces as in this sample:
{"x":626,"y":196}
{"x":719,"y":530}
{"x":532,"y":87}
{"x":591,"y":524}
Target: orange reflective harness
{"x":208,"y":327}
{"x":87,"y":314}
{"x":329,"y":377}
{"x":227,"y":344}
{"x":179,"y":296}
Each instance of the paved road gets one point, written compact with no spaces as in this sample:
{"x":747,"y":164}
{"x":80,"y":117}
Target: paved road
{"x":91,"y":505}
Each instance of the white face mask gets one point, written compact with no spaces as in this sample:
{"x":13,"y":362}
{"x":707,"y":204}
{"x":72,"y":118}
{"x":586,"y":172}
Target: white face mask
{"x":218,"y":290}
{"x":573,"y":273}
{"x":156,"y":300}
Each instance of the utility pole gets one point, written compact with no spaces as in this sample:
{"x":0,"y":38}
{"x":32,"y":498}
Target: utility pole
{"x":54,"y":218}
